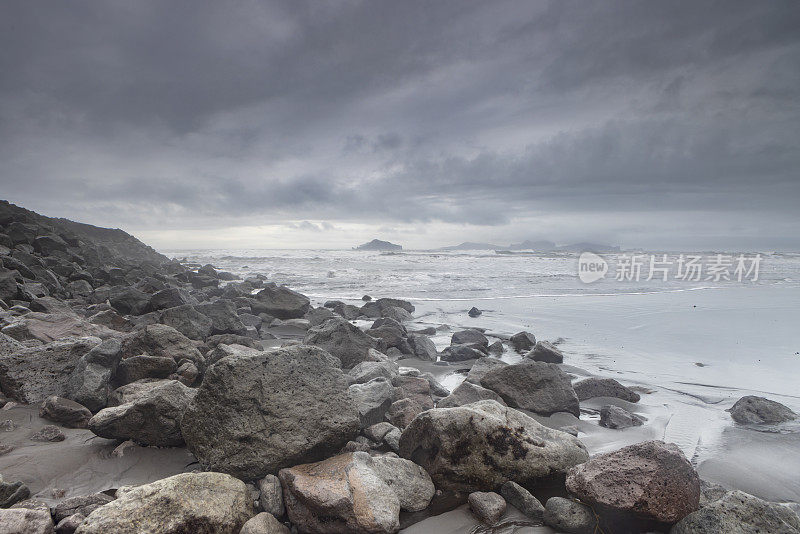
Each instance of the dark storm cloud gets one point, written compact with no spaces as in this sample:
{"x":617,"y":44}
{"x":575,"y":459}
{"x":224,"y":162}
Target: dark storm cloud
{"x":172,"y":113}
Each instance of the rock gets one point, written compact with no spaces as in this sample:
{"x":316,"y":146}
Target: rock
{"x":151,"y":420}
{"x":522,"y":500}
{"x":483,"y":445}
{"x":170,"y":298}
{"x":544,"y":351}
{"x":65,"y":411}
{"x":539,"y":387}
{"x":144,"y":366}
{"x":202,"y":503}
{"x":410,"y":482}
{"x":483,"y":365}
{"x":49,"y":327}
{"x":496,"y":348}
{"x":488,"y":507}
{"x":739,"y":513}
{"x":12,"y":492}
{"x":341,"y":339}
{"x":469,"y":337}
{"x":342,"y":494}
{"x":378,"y":308}
{"x":758,"y":410}
{"x":460,"y":353}
{"x":618,"y":418}
{"x":70,"y":524}
{"x":235,"y":351}
{"x":651,"y":481}
{"x":188,"y":321}
{"x":366,"y":371}
{"x":436,"y":388}
{"x":317,"y":316}
{"x":467,"y":393}
{"x":392,"y":438}
{"x":569,"y":516}
{"x":523,"y":341}
{"x":264,"y":523}
{"x":83,"y":504}
{"x":604,"y":387}
{"x":49,"y":433}
{"x":186,"y":373}
{"x":31,"y":375}
{"x":281,"y":302}
{"x":24,"y":521}
{"x":161,"y":340}
{"x":474,"y":312}
{"x":271,"y":495}
{"x":423,"y":347}
{"x":224,"y":319}
{"x":134,"y":390}
{"x":256,"y":414}
{"x":403,"y":411}
{"x":112,"y":320}
{"x":129,"y":301}
{"x":372,"y":400}
{"x":377,"y":431}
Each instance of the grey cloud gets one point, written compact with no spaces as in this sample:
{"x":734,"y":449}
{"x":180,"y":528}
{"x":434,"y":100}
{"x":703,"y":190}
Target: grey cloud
{"x":191,"y":114}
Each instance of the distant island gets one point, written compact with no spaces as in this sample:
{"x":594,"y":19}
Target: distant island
{"x":377,"y":244}
{"x":535,"y":246}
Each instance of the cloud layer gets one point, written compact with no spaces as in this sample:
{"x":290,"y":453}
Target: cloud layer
{"x":645,"y":123}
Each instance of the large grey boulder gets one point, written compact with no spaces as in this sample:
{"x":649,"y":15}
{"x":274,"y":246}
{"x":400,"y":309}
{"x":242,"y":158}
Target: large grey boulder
{"x":32,"y":374}
{"x":161,"y":340}
{"x":170,"y":297}
{"x":651,"y":481}
{"x":480,"y":446}
{"x":467,"y":393}
{"x":366,"y":371}
{"x":12,"y":492}
{"x":603,"y":387}
{"x":739,"y":513}
{"x":539,"y":387}
{"x":152,"y":419}
{"x":343,"y":340}
{"x":354,"y":493}
{"x":200,"y":503}
{"x":758,"y":410}
{"x":256,"y":414}
{"x":224,"y":319}
{"x":280,"y":302}
{"x":188,"y":321}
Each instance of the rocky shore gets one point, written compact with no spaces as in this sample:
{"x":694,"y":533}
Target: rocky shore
{"x":230,"y":405}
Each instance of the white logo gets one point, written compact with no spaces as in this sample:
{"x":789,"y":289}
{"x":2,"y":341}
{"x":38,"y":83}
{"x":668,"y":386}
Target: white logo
{"x":591,"y":267}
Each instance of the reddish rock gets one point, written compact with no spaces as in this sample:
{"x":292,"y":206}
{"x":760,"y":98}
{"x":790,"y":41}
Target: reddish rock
{"x":652,"y":481}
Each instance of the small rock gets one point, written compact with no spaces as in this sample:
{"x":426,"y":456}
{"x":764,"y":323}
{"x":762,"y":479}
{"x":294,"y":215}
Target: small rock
{"x":523,"y":341}
{"x":67,"y":412}
{"x":569,"y":516}
{"x":522,"y":500}
{"x":758,"y":410}
{"x":467,"y":393}
{"x":544,"y":351}
{"x":83,"y":504}
{"x":468,"y":337}
{"x":70,"y":524}
{"x":618,"y":418}
{"x":271,"y":495}
{"x":489,"y":507}
{"x":604,"y":387}
{"x":474,"y":312}
{"x":264,"y":523}
{"x":12,"y":492}
{"x":49,"y":433}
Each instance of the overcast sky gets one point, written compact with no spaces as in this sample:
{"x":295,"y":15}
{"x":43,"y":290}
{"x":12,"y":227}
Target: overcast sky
{"x":325,"y":124}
